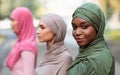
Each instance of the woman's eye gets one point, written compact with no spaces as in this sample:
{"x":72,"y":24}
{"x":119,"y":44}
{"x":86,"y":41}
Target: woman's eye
{"x":11,"y":19}
{"x":74,"y":27}
{"x":84,"y":27}
{"x":42,"y":27}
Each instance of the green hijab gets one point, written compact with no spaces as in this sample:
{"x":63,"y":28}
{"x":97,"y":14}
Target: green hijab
{"x":96,"y":52}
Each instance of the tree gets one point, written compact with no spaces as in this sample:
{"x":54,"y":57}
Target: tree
{"x":6,"y":6}
{"x":110,"y":6}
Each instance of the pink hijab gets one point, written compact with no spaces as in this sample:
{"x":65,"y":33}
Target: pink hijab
{"x":26,"y":38}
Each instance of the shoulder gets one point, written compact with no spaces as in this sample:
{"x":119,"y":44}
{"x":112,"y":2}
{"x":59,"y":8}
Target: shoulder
{"x":102,"y":55}
{"x":84,"y":67}
{"x":66,"y":57}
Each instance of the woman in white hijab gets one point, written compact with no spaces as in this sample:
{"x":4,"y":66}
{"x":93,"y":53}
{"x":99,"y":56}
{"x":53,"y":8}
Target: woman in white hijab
{"x":56,"y":60}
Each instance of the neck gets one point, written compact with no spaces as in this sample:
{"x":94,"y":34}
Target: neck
{"x":49,"y":44}
{"x":93,"y":43}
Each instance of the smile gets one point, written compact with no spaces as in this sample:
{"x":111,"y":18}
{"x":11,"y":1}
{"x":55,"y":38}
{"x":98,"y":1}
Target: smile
{"x":79,"y":40}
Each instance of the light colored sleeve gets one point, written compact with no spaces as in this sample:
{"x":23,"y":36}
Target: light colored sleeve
{"x":28,"y":60}
{"x":67,"y":61}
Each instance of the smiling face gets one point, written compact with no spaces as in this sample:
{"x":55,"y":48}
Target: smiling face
{"x":44,"y":33}
{"x":83,"y":32}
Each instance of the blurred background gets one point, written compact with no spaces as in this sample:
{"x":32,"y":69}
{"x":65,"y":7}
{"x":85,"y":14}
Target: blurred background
{"x":64,"y":8}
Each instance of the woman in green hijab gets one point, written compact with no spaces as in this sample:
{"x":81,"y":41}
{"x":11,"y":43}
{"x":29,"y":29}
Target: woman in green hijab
{"x":94,"y":57}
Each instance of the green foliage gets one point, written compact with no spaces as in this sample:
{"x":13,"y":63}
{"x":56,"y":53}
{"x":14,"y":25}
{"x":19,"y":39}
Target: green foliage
{"x":1,"y":39}
{"x":109,"y":9}
{"x":110,"y":6}
{"x":115,"y":35}
{"x":6,"y":6}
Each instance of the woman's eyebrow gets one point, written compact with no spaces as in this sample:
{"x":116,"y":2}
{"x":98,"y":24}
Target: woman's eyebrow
{"x":84,"y":23}
{"x":40,"y":25}
{"x":11,"y":18}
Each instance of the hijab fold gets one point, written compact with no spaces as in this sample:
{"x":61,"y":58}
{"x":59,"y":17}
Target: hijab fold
{"x":57,"y":55}
{"x":97,"y":52}
{"x":26,"y":38}
{"x":53,"y":54}
{"x":56,"y":24}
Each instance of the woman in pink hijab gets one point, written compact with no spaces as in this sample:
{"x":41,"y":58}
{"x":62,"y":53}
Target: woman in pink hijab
{"x":22,"y":58}
{"x":56,"y":60}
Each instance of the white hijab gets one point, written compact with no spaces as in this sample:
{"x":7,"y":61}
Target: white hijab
{"x":57,"y":58}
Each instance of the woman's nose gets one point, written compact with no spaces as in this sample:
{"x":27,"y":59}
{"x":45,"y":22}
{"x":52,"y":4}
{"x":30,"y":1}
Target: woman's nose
{"x":78,"y":31}
{"x":38,"y":31}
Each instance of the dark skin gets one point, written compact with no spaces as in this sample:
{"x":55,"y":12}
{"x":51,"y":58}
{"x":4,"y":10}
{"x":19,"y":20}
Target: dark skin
{"x":83,"y":32}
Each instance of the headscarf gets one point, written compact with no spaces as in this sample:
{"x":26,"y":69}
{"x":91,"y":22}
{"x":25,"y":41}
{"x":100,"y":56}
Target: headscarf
{"x":26,"y":37}
{"x":56,"y":24}
{"x":94,"y":16}
{"x":97,"y":51}
{"x":58,"y":52}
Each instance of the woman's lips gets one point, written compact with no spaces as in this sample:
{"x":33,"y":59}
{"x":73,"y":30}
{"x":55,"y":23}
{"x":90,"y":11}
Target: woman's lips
{"x":79,"y":40}
{"x":39,"y":36}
